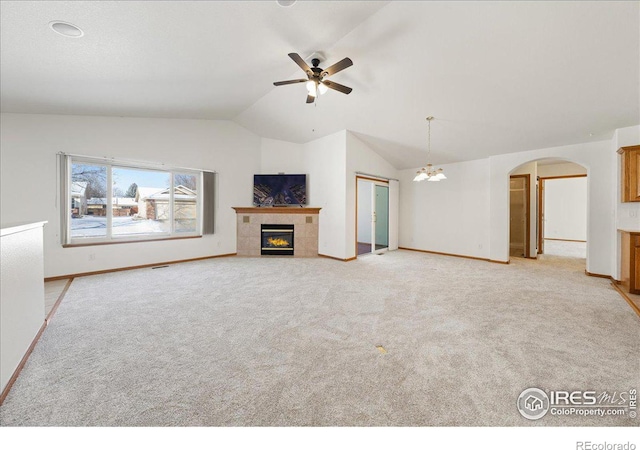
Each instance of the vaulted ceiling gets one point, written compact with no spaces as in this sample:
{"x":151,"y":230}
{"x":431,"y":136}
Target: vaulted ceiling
{"x":499,"y":77}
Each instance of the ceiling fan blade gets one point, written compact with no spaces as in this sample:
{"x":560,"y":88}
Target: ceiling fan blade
{"x":337,"y":67}
{"x":299,"y":61}
{"x":337,"y":87}
{"x":282,"y":83}
{"x":310,"y":98}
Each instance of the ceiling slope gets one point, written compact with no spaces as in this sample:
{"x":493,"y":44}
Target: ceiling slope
{"x":195,"y":59}
{"x":499,"y":77}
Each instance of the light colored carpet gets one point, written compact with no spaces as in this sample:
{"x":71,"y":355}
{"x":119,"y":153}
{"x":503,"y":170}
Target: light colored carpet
{"x":281,"y":341}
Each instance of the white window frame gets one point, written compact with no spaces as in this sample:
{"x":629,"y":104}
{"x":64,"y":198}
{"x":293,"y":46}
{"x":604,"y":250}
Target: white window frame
{"x":109,"y":238}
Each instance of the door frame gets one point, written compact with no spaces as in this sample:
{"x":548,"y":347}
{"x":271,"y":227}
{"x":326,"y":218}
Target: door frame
{"x":527,"y":215}
{"x":373,"y":180}
{"x":541,"y":181}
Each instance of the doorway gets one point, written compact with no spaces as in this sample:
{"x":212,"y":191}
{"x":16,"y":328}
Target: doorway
{"x":519,"y":223}
{"x":372,"y":216}
{"x":562,"y":221}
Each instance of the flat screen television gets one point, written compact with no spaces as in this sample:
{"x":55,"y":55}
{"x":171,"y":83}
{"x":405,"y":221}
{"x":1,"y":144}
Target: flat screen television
{"x":279,"y":190}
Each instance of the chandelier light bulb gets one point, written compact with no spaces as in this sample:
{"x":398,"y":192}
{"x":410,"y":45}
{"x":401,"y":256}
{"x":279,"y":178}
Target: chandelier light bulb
{"x":428,"y":172}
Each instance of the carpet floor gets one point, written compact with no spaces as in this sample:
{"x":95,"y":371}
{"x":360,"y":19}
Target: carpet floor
{"x":287,"y":342}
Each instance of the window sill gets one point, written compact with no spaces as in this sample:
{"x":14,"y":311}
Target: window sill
{"x":136,"y":241}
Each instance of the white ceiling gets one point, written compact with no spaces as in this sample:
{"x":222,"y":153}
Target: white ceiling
{"x":499,"y":77}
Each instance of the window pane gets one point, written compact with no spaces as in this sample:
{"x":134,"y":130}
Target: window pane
{"x":140,"y":202}
{"x":185,"y":207}
{"x":88,"y":201}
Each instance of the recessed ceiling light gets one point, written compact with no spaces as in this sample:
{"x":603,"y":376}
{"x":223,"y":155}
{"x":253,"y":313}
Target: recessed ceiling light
{"x":285,"y":3}
{"x":66,"y":29}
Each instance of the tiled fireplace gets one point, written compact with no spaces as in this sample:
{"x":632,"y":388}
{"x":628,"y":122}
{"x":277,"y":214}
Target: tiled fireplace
{"x":281,"y":231}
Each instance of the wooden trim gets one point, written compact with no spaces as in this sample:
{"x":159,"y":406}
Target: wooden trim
{"x":624,"y":295}
{"x":58,"y":301}
{"x":445,"y":254}
{"x":498,"y":262}
{"x":379,"y":180}
{"x":527,"y":239}
{"x":563,"y":176}
{"x":598,"y":275}
{"x":143,"y":266}
{"x":532,"y":257}
{"x":23,"y":361}
{"x":275,"y":210}
{"x":540,"y":216}
{"x":621,"y":150}
{"x":564,"y":240}
{"x":90,"y":244}
{"x":356,"y":224}
{"x":337,"y":259}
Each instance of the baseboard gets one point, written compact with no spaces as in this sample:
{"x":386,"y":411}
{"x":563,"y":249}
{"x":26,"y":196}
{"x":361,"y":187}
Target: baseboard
{"x":450,"y":254}
{"x":499,"y":262}
{"x":143,"y":266}
{"x":23,"y":361}
{"x":563,"y":240}
{"x":598,"y":275}
{"x":58,"y":301}
{"x":337,"y":259}
{"x":624,"y":295}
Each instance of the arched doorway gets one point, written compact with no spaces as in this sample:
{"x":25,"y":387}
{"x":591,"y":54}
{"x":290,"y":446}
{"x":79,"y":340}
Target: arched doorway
{"x":548,"y":210}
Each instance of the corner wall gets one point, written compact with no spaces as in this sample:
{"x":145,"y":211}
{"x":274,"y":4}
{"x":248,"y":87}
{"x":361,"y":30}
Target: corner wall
{"x":29,"y":178}
{"x":324,"y":162}
{"x":449,"y":216}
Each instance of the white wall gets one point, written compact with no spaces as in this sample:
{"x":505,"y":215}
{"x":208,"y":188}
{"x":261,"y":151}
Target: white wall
{"x":596,"y":157}
{"x":22,"y":294}
{"x":28,"y":147}
{"x":565,"y":209}
{"x":449,"y":216}
{"x":330,"y":164}
{"x":281,"y":156}
{"x":560,"y":169}
{"x":364,"y":211}
{"x":361,"y":158}
{"x":323,"y":160}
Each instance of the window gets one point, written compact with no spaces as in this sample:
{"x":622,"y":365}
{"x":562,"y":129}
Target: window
{"x":117,"y":202}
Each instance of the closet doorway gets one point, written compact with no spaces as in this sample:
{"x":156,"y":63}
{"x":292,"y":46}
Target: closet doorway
{"x":372,"y":216}
{"x":519,"y":223}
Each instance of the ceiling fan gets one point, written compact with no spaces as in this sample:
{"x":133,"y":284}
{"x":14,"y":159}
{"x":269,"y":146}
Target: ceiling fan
{"x":316,"y":81}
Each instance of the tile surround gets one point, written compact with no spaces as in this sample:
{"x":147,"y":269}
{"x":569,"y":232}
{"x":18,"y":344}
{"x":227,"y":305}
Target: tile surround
{"x":305,"y":234}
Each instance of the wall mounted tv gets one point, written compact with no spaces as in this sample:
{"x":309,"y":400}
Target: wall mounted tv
{"x":279,"y":190}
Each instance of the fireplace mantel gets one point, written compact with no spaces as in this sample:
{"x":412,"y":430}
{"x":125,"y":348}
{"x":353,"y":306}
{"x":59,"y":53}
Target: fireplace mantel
{"x":303,"y":220}
{"x":275,"y":210}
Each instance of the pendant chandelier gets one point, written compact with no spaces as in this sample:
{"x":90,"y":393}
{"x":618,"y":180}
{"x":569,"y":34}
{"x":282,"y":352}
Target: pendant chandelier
{"x":428,"y":172}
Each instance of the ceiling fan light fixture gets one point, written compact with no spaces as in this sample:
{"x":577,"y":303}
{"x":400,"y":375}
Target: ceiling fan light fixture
{"x":322,"y":89}
{"x":285,"y":3}
{"x":311,"y":88}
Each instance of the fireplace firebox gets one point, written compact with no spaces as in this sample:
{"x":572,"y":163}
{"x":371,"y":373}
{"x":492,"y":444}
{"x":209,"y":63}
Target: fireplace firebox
{"x":277,"y":239}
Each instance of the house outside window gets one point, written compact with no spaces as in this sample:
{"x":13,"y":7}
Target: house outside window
{"x":142,"y":203}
